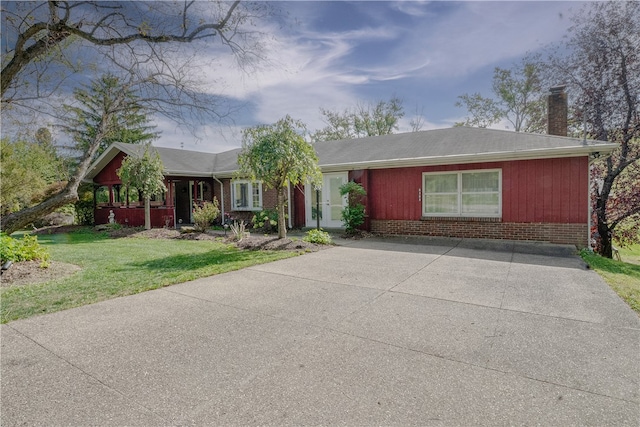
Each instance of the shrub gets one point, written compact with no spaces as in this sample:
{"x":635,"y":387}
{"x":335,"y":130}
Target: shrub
{"x":27,"y":249}
{"x":203,"y":216}
{"x":84,"y":212}
{"x":318,"y":236}
{"x":267,"y":220}
{"x":353,"y":214}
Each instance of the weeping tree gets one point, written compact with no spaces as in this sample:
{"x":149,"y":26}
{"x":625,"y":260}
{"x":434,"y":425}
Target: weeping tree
{"x":278,"y":155}
{"x":144,"y":172}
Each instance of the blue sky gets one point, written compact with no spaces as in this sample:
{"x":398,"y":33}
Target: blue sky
{"x":336,"y":54}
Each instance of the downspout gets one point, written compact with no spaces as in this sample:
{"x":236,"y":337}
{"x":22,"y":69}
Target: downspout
{"x":289,"y":201}
{"x":221,"y":197}
{"x":592,"y":158}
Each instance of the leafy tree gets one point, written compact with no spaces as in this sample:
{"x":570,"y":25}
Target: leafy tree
{"x":278,"y":155}
{"x":599,"y":62}
{"x":517,"y":97}
{"x":30,"y":170}
{"x":145,"y":173}
{"x":361,"y":121}
{"x":91,"y":122}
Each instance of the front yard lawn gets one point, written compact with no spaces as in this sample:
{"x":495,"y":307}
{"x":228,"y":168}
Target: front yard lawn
{"x":117,"y":267}
{"x":622,"y":276}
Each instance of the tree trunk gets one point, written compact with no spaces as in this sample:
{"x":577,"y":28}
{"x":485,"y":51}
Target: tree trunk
{"x":605,"y":248}
{"x":147,"y":213}
{"x":282,"y":222}
{"x":18,"y":220}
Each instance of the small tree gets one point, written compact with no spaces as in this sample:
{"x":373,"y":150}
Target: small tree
{"x":277,"y":155}
{"x":353,"y":213}
{"x":145,"y":174}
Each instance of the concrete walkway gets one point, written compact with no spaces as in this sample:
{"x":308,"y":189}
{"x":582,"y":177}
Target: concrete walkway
{"x":374,"y":332}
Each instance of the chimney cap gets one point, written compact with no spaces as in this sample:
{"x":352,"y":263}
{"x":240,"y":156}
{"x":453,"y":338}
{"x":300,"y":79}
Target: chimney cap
{"x":557,"y":89}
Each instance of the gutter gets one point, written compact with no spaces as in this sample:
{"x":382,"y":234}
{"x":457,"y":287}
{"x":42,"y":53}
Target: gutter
{"x":471,"y":158}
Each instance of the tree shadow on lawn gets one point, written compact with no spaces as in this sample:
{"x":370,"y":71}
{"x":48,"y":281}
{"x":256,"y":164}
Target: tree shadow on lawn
{"x":73,"y":237}
{"x":216,"y":261}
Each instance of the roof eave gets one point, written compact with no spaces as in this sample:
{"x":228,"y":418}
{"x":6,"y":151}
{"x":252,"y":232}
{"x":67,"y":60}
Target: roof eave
{"x":186,"y":173}
{"x":547,"y":153}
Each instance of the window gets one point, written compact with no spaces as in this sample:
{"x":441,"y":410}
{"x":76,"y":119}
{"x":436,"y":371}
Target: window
{"x":246,"y":195}
{"x":464,"y":193}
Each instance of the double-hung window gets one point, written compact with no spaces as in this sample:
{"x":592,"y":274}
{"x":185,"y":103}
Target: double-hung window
{"x":463,"y":193}
{"x":246,"y":195}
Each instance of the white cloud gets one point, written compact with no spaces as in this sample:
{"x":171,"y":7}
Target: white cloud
{"x":309,"y":68}
{"x":207,"y":138}
{"x":412,"y":7}
{"x":479,"y":34}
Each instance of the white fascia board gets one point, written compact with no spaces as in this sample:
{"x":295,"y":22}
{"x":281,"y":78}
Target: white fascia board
{"x":545,"y":153}
{"x":192,"y":174}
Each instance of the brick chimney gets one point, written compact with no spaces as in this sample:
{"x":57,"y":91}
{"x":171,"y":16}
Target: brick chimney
{"x":558,"y":110}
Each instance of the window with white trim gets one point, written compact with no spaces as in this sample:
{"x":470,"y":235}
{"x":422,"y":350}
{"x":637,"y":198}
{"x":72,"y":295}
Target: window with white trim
{"x":476,"y":193}
{"x":246,"y":195}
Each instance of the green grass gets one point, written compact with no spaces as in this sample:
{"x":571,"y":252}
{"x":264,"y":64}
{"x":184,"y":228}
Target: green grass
{"x":622,"y":276}
{"x":125,"y":266}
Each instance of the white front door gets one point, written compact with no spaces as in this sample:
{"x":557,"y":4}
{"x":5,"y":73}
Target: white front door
{"x":331,"y":202}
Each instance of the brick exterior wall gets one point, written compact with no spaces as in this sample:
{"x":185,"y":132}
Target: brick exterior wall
{"x":573,"y":234}
{"x":557,"y":105}
{"x":269,"y":201}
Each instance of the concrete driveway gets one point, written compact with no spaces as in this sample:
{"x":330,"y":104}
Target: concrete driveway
{"x":373,"y":332}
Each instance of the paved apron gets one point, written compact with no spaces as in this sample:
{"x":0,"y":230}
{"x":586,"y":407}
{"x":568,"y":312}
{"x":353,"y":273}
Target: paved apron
{"x":373,"y":332}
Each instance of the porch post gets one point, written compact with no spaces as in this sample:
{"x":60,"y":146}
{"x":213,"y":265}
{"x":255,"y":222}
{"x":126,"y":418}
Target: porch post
{"x":195,"y":191}
{"x":167,"y":183}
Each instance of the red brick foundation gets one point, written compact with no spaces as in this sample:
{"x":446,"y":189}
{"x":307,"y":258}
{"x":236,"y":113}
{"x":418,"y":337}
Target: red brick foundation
{"x":573,"y":234}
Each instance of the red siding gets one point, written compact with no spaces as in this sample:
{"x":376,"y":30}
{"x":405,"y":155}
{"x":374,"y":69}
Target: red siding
{"x":543,"y":190}
{"x":108,"y":175}
{"x":134,"y":216}
{"x":299,"y":218}
{"x":394,"y":193}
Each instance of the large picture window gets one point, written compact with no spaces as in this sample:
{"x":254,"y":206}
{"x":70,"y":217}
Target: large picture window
{"x":246,"y":195}
{"x":463,"y":193}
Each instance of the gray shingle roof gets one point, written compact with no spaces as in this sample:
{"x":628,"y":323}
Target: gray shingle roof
{"x":433,"y":147}
{"x":446,"y":146}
